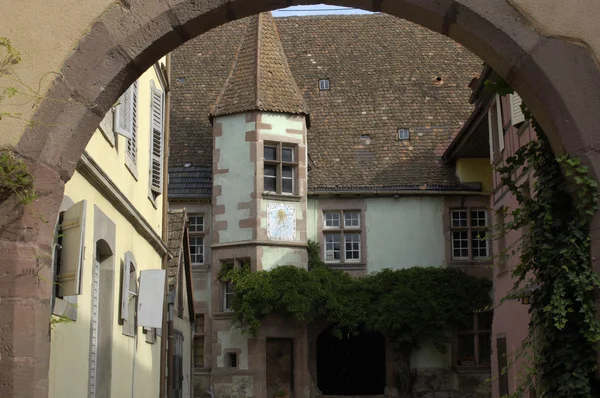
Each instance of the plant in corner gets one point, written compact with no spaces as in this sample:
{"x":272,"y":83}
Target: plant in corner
{"x":281,"y":394}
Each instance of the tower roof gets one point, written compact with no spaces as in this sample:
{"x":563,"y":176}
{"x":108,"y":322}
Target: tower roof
{"x":260,"y":78}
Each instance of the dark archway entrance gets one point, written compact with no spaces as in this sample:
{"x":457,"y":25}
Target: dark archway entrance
{"x":351,"y":365}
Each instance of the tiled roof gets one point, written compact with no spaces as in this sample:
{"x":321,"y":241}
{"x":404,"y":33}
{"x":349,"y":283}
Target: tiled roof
{"x":260,"y":78}
{"x":175,"y":231}
{"x":383,"y":73}
{"x":190,"y":182}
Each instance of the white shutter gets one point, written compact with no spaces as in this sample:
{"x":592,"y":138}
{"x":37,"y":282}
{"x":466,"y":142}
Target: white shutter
{"x":491,"y":136}
{"x":122,"y":121}
{"x":516,"y":112}
{"x":500,"y":124}
{"x":156,"y":156}
{"x":132,"y":141}
{"x":71,"y":263}
{"x":151,"y":297}
{"x":125,"y":285}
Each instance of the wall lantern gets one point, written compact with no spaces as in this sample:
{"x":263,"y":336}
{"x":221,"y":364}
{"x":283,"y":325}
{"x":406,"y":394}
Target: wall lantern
{"x":526,"y":293}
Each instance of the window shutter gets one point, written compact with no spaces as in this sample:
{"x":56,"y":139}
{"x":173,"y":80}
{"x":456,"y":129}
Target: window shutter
{"x":500,"y":124}
{"x":122,"y":121}
{"x":156,"y":168}
{"x":491,"y":137}
{"x":125,"y":285}
{"x":515,"y":109}
{"x":151,"y":297}
{"x":133,"y":122}
{"x":73,"y":230}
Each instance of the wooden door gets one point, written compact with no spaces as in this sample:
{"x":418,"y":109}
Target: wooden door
{"x":280,"y":366}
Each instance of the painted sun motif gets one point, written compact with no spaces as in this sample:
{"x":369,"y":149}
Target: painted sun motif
{"x":281,"y":221}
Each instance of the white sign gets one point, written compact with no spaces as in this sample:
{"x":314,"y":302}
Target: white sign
{"x":151,"y":298}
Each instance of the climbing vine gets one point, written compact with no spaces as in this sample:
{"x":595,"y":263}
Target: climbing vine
{"x":408,"y":305}
{"x":554,"y":268}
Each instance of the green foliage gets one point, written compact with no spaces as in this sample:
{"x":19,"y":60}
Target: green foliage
{"x":408,"y":305}
{"x":555,"y":267}
{"x":15,"y":179}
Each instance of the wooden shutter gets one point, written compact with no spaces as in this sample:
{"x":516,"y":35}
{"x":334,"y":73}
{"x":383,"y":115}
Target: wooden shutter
{"x":156,"y":156}
{"x":151,"y":297}
{"x":72,"y":229}
{"x":122,"y":121}
{"x":516,"y":112}
{"x":133,"y":114}
{"x":500,"y":124}
{"x":502,"y":364}
{"x":125,"y":285}
{"x":491,"y":136}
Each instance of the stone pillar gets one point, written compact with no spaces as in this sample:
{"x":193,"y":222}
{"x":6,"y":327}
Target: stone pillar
{"x":25,"y":287}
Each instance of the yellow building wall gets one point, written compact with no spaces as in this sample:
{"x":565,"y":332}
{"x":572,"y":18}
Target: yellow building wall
{"x":475,"y":170}
{"x":135,"y":363}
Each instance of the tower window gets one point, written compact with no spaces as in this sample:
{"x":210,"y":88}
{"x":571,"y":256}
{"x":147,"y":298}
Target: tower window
{"x":403,"y":134}
{"x":324,"y":84}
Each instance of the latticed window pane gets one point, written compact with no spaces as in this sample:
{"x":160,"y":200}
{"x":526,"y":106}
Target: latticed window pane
{"x":466,"y":350}
{"x":287,"y":179}
{"x":478,"y":218}
{"x":197,"y":249}
{"x":459,"y":218}
{"x":351,"y":219}
{"x":287,"y":154}
{"x":352,"y":247}
{"x":199,"y":352}
{"x":460,"y":244}
{"x":332,"y":247}
{"x":479,"y":244}
{"x":196,"y":224}
{"x":270,"y":153}
{"x":332,"y":220}
{"x":485,"y":348}
{"x":270,"y":178}
{"x":228,"y":293}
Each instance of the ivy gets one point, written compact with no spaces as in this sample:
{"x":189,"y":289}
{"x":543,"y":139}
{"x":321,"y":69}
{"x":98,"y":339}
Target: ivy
{"x":554,"y":268}
{"x":408,"y":305}
{"x":15,"y":179}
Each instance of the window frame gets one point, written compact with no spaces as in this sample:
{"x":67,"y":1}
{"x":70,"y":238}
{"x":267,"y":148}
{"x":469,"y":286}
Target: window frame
{"x":343,"y":230}
{"x":469,"y":229}
{"x":326,"y":86}
{"x":197,"y":234}
{"x":279,"y":164}
{"x":476,"y":332}
{"x":227,"y":294}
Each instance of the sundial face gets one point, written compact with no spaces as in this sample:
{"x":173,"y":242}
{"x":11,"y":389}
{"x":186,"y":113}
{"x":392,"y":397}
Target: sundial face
{"x":281,"y":221}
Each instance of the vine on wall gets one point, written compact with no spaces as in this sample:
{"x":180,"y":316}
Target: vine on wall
{"x":554,"y":267}
{"x":409,"y":305}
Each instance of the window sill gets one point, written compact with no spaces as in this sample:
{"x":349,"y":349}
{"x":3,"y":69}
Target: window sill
{"x":346,"y":266}
{"x":282,"y":197}
{"x":472,"y":369}
{"x":223,"y":315}
{"x":472,"y":263}
{"x":501,"y":273}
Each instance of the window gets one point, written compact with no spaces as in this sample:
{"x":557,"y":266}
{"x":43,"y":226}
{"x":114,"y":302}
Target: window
{"x":197,"y":233}
{"x":177,"y":372}
{"x":403,"y":134}
{"x":342,"y":239}
{"x":129,"y":294}
{"x":280,"y":168}
{"x":228,"y":293}
{"x":156,"y":143}
{"x":474,"y":346}
{"x":324,"y":84}
{"x":516,"y":113}
{"x":469,"y":229}
{"x":496,"y":131}
{"x":199,"y":351}
{"x":232,"y":360}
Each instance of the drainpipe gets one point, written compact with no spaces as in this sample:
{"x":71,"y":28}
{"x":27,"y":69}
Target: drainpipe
{"x":165,"y":206}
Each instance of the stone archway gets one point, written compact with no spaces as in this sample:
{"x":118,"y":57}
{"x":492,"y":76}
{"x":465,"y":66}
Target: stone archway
{"x":559,"y":81}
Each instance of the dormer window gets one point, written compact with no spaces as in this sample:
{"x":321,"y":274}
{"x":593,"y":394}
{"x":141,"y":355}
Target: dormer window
{"x":324,"y":84}
{"x":403,"y":134}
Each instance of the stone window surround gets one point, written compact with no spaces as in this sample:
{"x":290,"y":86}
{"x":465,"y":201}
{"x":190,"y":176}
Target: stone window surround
{"x":459,"y":202}
{"x":279,"y":163}
{"x":325,"y":205}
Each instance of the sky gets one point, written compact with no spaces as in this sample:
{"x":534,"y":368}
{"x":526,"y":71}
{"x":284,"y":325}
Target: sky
{"x":320,"y":9}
